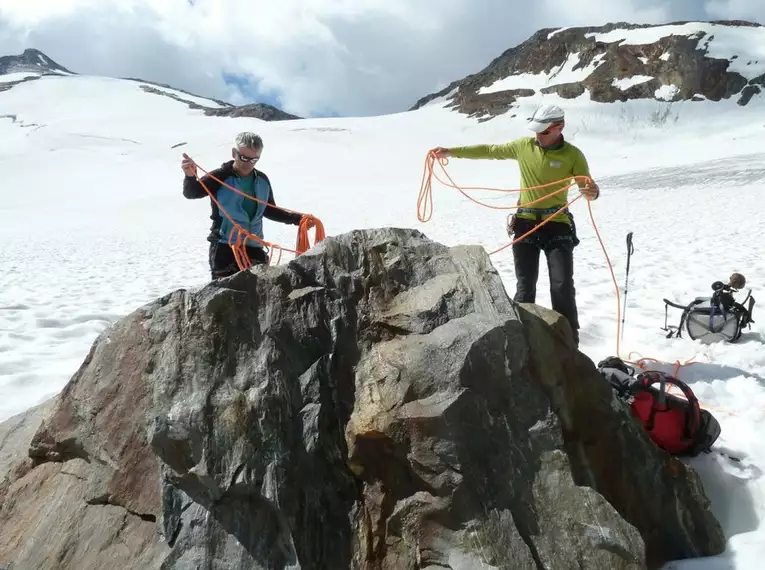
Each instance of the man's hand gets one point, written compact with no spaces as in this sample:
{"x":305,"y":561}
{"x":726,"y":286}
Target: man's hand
{"x":440,"y":152}
{"x":510,"y":225}
{"x":188,"y":166}
{"x":591,"y":191}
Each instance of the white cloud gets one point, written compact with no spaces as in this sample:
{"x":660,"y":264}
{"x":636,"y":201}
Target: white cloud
{"x":600,"y":12}
{"x":736,"y":9}
{"x":351,"y":57}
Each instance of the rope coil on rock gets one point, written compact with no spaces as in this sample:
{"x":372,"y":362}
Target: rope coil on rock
{"x":239,"y":236}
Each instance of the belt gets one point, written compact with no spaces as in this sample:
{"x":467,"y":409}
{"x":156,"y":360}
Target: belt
{"x":540,"y":212}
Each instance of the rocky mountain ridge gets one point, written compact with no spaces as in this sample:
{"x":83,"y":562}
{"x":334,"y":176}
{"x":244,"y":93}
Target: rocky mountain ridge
{"x":617,"y":62}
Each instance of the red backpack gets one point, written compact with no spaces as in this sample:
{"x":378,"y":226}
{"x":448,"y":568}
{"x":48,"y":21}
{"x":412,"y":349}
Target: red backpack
{"x":677,"y":425}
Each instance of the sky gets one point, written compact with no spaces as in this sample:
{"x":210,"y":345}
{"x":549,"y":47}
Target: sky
{"x":313,"y":58}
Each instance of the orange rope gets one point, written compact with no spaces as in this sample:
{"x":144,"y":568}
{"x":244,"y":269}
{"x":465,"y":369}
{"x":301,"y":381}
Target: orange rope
{"x":239,"y":236}
{"x":425,"y":199}
{"x":425,"y":212}
{"x":302,"y":244}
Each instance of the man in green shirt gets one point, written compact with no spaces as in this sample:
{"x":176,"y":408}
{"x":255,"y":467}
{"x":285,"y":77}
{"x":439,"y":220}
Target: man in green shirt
{"x":543,"y":159}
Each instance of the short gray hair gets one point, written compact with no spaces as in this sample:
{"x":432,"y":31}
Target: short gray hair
{"x":249,"y":140}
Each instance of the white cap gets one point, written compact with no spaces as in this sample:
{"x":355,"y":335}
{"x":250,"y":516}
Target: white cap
{"x":544,"y":116}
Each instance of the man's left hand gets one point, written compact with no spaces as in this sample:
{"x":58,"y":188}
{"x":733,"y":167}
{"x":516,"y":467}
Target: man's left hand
{"x":591,"y":191}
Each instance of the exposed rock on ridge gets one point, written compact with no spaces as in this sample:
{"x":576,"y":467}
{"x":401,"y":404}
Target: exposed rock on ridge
{"x":674,"y":68}
{"x":377,"y":403}
{"x":31,"y":60}
{"x":261,"y":111}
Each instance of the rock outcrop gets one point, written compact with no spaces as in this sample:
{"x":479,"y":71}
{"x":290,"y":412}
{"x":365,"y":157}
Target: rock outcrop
{"x":678,"y":66}
{"x":32,"y":61}
{"x":262,"y":111}
{"x":30,"y":66}
{"x":377,"y":403}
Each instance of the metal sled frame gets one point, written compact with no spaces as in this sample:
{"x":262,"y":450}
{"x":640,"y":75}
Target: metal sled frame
{"x":738,"y":311}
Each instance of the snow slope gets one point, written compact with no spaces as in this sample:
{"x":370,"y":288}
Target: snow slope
{"x":567,"y":72}
{"x":94,"y":224}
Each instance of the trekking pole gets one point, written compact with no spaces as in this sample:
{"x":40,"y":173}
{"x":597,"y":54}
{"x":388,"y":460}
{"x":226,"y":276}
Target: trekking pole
{"x":630,"y":249}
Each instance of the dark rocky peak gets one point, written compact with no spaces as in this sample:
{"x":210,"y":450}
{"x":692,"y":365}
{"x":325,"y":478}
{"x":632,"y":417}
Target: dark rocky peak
{"x":262,"y":111}
{"x":617,"y":62}
{"x":32,"y":60}
{"x":216,"y":107}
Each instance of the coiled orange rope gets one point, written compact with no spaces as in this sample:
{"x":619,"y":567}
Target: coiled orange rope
{"x":239,"y":236}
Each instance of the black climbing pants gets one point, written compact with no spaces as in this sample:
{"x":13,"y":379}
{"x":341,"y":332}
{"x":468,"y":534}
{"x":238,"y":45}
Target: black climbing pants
{"x":223,"y":262}
{"x":557,"y":240}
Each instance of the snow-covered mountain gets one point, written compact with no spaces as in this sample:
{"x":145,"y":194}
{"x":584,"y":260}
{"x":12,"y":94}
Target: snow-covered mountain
{"x":93,"y":222}
{"x":683,"y":61}
{"x":33,"y":64}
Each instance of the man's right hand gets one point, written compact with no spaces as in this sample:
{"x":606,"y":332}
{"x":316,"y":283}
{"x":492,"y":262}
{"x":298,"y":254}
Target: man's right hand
{"x":440,"y":152}
{"x":188,"y":166}
{"x":510,"y":225}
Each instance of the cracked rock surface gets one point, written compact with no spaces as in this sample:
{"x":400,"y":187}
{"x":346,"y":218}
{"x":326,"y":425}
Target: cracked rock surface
{"x":378,"y":403}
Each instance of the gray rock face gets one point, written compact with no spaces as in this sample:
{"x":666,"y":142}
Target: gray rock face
{"x":31,"y":60}
{"x":682,"y":62}
{"x":262,"y":111}
{"x":377,"y":403}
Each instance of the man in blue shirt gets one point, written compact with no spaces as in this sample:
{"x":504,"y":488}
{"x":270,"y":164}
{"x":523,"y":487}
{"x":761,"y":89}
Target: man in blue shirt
{"x":247,"y":213}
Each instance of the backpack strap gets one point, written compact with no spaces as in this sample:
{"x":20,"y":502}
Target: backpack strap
{"x":646,"y":380}
{"x":745,"y":313}
{"x":715,"y":304}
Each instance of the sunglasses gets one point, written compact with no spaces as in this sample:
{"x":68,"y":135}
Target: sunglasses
{"x":247,"y":158}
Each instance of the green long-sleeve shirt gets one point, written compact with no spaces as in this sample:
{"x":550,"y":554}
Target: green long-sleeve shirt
{"x":539,"y":166}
